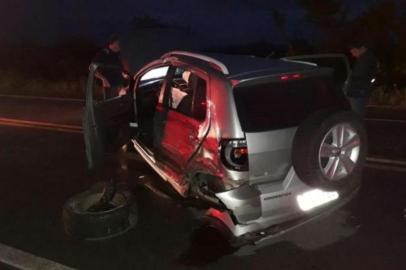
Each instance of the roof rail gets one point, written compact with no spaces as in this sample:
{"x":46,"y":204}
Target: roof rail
{"x":217,"y":64}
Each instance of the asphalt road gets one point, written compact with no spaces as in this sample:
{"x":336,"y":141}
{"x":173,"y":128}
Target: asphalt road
{"x":42,"y":110}
{"x":41,"y":169}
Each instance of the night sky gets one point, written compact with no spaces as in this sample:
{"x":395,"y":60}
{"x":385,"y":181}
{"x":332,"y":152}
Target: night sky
{"x":46,"y":22}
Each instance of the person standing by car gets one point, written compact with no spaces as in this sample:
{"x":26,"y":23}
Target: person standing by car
{"x":111,"y":71}
{"x":362,"y":77}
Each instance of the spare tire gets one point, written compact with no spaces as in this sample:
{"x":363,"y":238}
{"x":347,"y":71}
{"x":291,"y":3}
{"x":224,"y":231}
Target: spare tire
{"x":329,"y":150}
{"x":83,"y":223}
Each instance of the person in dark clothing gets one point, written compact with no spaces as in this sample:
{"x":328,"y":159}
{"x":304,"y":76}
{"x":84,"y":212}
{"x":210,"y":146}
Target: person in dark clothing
{"x":362,"y":77}
{"x":111,"y":72}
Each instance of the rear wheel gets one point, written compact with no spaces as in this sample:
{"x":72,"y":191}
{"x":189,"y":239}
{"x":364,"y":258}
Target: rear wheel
{"x":329,"y":150}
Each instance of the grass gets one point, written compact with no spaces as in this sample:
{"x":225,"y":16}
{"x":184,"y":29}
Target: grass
{"x":17,"y":84}
{"x":58,"y":71}
{"x":383,"y":96}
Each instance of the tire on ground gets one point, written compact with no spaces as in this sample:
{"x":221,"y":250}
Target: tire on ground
{"x":82,"y":224}
{"x":306,"y":150}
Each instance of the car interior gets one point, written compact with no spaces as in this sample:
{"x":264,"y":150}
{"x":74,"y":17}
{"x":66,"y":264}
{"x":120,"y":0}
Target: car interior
{"x":179,"y":98}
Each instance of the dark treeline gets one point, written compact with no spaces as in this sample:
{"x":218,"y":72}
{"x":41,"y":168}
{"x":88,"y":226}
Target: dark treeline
{"x":382,"y":26}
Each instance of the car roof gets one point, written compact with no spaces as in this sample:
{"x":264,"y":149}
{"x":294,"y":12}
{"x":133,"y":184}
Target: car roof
{"x":242,"y":67}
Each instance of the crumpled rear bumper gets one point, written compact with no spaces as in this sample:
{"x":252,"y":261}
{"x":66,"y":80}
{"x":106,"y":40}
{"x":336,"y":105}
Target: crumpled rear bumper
{"x":269,"y":208}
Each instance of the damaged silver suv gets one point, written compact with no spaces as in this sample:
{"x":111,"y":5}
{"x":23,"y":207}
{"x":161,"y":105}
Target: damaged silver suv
{"x":268,"y":144}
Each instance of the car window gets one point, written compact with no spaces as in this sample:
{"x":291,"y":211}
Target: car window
{"x":187,"y":94}
{"x":283,"y":104}
{"x":156,"y":73}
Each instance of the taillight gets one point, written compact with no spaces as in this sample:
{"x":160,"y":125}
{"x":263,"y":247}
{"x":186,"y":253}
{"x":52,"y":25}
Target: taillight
{"x":234,"y":154}
{"x":291,"y":77}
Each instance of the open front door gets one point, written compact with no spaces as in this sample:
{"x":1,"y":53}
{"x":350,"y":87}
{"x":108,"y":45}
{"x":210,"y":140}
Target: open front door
{"x":106,"y":122}
{"x":338,"y":62}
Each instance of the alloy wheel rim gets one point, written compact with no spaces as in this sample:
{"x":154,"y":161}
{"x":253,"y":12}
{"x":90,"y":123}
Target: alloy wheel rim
{"x":339,"y":152}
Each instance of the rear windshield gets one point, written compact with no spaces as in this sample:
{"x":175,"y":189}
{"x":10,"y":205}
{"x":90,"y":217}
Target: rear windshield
{"x":283,"y":104}
{"x":338,"y":64}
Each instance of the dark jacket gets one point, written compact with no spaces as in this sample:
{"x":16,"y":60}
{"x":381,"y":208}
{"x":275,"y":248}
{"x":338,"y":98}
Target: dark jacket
{"x":364,"y":70}
{"x":114,"y":67}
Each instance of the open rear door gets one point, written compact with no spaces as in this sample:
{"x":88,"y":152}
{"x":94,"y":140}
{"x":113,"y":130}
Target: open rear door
{"x":106,"y":122}
{"x":338,"y":62}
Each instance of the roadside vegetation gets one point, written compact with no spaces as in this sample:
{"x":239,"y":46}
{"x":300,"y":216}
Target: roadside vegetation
{"x":58,"y":71}
{"x":393,"y":97}
{"x":13,"y":83}
{"x":61,"y":71}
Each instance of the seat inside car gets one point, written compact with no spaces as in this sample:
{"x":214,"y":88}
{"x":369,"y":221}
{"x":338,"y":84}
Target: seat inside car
{"x":185,"y":105}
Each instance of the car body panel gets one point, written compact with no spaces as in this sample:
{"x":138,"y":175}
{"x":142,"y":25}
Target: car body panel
{"x":105,"y":123}
{"x":182,"y":137}
{"x":277,"y":202}
{"x":269,"y":154}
